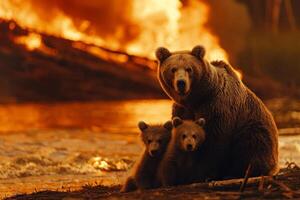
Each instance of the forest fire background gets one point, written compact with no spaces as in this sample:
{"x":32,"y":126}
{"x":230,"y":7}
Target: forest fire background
{"x":246,"y":33}
{"x":71,"y":70}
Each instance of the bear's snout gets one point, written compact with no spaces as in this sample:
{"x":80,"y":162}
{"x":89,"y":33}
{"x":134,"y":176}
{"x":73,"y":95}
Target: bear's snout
{"x":153,"y":149}
{"x":189,"y":147}
{"x":181,"y":82}
{"x":153,"y":152}
{"x":189,"y":144}
{"x":181,"y":86}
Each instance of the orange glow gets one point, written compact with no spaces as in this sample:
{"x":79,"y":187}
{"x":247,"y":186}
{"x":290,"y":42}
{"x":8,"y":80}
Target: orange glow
{"x":60,"y":25}
{"x":161,"y":111}
{"x":104,"y":54}
{"x":162,"y":23}
{"x":239,"y":73}
{"x":24,"y":117}
{"x":99,"y":163}
{"x":31,"y":41}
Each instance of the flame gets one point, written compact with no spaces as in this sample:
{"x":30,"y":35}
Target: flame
{"x":161,"y":23}
{"x":168,"y":23}
{"x":31,"y":41}
{"x":60,"y":25}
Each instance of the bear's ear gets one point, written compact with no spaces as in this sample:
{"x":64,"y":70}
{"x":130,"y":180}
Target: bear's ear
{"x":176,"y":121}
{"x":168,"y":125}
{"x":142,"y":125}
{"x":200,"y":122}
{"x":198,"y":51}
{"x":162,"y":54}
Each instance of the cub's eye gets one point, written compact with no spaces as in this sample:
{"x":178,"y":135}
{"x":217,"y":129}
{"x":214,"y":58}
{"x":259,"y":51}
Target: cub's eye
{"x":194,"y":136}
{"x":173,"y":70}
{"x":183,"y":136}
{"x":159,"y":140}
{"x":189,"y":70}
{"x":149,"y":141}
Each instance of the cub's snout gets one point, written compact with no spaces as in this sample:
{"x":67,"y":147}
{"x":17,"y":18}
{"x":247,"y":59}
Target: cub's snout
{"x":154,"y":148}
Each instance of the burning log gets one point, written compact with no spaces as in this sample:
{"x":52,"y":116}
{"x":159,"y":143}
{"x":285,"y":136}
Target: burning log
{"x":40,"y":67}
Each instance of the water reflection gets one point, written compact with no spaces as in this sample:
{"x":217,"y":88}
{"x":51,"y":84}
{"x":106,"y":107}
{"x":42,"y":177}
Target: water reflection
{"x":97,"y":116}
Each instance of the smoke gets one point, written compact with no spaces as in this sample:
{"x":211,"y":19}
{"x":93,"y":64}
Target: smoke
{"x":230,"y":21}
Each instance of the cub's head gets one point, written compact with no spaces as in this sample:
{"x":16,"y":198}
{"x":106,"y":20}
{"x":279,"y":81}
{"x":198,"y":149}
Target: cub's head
{"x":155,"y":137}
{"x":189,"y":135}
{"x":179,"y":70}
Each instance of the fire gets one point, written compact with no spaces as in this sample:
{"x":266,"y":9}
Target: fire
{"x":178,"y":25}
{"x":169,"y":23}
{"x":31,"y":41}
{"x":60,"y":25}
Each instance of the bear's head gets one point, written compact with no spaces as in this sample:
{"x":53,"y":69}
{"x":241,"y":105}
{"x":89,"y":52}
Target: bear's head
{"x":155,"y":137}
{"x":178,"y":71}
{"x":189,"y":135}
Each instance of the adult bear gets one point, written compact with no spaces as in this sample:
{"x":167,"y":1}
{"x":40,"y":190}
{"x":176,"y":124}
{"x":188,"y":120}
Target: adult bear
{"x":240,"y":129}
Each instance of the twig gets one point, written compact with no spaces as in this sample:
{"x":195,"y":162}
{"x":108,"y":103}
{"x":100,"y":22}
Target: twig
{"x":287,"y":192}
{"x":283,"y":186}
{"x":261,"y":184}
{"x":235,"y":183}
{"x":247,"y":174}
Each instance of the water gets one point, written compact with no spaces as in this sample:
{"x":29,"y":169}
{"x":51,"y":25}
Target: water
{"x":67,"y":145}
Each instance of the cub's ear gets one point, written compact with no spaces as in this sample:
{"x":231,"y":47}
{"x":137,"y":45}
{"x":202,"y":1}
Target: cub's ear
{"x":198,"y":51}
{"x":142,"y":125}
{"x":176,"y":121}
{"x":200,"y":122}
{"x":168,"y":125}
{"x":162,"y":54}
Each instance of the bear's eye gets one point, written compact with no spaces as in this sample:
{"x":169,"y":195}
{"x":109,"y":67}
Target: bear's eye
{"x":189,"y":69}
{"x":194,"y":136}
{"x":159,"y":140}
{"x":183,"y":136}
{"x":173,"y":70}
{"x":149,"y":141}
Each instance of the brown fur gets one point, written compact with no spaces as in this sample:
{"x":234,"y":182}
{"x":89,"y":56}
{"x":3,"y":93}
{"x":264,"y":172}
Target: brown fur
{"x":240,"y":128}
{"x":179,"y":165}
{"x":227,"y":67}
{"x":155,"y":139}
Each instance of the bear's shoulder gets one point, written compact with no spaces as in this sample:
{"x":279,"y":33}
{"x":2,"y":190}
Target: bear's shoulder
{"x":229,"y":69}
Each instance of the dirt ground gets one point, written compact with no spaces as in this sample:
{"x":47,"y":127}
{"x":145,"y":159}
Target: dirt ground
{"x":286,"y":185}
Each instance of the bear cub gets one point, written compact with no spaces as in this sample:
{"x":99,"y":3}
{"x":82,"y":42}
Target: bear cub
{"x":155,"y":139}
{"x":179,"y":165}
